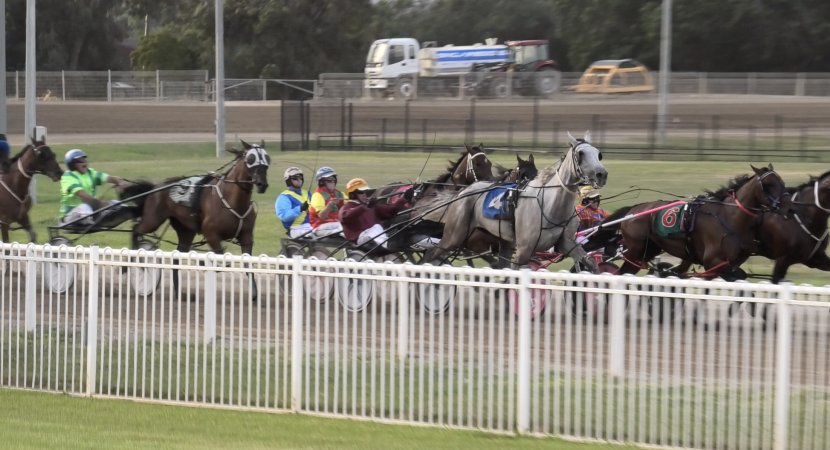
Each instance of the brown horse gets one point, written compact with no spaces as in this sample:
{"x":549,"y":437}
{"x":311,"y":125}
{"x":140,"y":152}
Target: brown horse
{"x":524,"y":171}
{"x":15,"y":203}
{"x":218,"y":207}
{"x":718,"y":234}
{"x":801,"y":237}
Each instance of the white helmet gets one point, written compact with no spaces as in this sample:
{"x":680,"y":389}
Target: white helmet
{"x":325,"y":172}
{"x":72,"y":155}
{"x":290,"y":172}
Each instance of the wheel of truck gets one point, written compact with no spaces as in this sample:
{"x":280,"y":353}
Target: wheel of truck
{"x":404,"y":89}
{"x":547,"y":82}
{"x":499,"y":88}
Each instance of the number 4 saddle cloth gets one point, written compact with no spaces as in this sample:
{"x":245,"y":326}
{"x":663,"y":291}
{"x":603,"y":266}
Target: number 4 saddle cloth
{"x":674,"y":222}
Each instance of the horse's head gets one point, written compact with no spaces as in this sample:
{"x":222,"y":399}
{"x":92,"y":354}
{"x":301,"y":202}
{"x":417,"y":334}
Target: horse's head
{"x":586,"y":161}
{"x":473,"y":166}
{"x":38,"y":158}
{"x":821,"y":192}
{"x":526,"y":169}
{"x":772,"y":192}
{"x":256,"y":162}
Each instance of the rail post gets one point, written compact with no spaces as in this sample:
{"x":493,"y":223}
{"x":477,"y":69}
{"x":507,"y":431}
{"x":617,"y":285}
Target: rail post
{"x":30,"y":314}
{"x":403,"y":316}
{"x":783,"y":344}
{"x":616,"y":336}
{"x":92,"y":322}
{"x":523,"y":366}
{"x":210,"y":299}
{"x":296,"y":335}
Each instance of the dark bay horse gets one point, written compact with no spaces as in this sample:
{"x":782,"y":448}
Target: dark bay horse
{"x":544,"y":210}
{"x":525,"y":170}
{"x":15,"y":203}
{"x":718,"y":233}
{"x":800,"y":237}
{"x":218,"y":207}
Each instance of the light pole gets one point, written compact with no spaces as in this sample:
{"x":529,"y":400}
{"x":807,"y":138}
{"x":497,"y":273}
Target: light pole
{"x":31,"y":85}
{"x":665,"y":72}
{"x":219,"y":88}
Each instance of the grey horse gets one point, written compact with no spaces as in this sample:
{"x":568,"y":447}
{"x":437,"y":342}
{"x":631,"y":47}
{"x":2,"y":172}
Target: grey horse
{"x":544,"y":214}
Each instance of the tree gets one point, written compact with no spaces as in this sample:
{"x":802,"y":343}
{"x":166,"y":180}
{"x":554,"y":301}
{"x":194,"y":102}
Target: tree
{"x":164,"y":50}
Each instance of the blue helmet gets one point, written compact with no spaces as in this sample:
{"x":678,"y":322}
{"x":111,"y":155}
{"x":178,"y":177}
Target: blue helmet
{"x":325,"y":172}
{"x":72,"y":155}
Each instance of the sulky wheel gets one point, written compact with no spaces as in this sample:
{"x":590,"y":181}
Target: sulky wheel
{"x":354,"y":293}
{"x":144,"y":280}
{"x":58,"y":276}
{"x":319,"y":288}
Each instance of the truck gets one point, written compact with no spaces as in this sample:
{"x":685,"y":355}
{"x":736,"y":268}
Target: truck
{"x":398,"y":66}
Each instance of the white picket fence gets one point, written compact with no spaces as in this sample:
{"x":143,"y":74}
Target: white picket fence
{"x":663,"y":362}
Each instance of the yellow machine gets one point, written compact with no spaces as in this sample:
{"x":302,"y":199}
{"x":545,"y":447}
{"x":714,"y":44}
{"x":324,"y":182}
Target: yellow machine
{"x":615,"y":76}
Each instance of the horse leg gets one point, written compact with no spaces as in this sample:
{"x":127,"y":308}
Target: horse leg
{"x":449,"y":242}
{"x":185,"y":237}
{"x":246,"y":243}
{"x":27,"y":225}
{"x":779,"y":271}
{"x":4,"y":230}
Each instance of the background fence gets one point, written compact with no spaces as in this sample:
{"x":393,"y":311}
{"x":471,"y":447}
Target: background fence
{"x":425,"y":126}
{"x":654,"y":361}
{"x":196,"y":85}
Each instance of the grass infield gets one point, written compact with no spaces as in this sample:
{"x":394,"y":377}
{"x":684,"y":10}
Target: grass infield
{"x":33,"y":420}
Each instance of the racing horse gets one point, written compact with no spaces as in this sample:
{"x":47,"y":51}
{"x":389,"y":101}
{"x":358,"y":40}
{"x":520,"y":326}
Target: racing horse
{"x":15,"y":203}
{"x":543,"y":213}
{"x":717,"y":230}
{"x":218,"y":207}
{"x":800,"y":237}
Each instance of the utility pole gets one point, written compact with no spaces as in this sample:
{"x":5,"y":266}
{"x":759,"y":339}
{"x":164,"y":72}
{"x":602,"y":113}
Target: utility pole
{"x":219,"y":88}
{"x":665,"y":72}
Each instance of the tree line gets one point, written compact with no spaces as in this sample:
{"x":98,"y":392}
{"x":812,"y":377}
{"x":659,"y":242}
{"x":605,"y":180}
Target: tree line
{"x":302,"y":38}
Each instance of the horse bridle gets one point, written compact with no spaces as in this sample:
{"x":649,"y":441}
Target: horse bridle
{"x":25,"y":174}
{"x":470,"y":167}
{"x":774,"y":202}
{"x":35,"y":149}
{"x":581,"y":177}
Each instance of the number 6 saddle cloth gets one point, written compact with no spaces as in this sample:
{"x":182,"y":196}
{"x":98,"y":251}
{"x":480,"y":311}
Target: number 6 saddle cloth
{"x":675,"y":222}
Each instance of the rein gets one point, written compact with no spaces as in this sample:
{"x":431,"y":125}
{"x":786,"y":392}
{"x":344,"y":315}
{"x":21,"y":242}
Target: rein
{"x":741,"y":205}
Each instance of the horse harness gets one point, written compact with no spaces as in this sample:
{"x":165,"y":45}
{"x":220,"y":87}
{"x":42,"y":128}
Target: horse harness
{"x":25,"y":174}
{"x":823,"y":237}
{"x":255,"y":156}
{"x":470,"y":168}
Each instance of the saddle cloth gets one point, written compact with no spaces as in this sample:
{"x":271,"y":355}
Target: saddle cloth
{"x":185,"y":191}
{"x":672,"y":222}
{"x":497,"y":204}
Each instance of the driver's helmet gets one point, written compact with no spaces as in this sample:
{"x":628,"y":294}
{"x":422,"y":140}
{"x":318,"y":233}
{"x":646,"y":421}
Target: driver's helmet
{"x":356,"y":184}
{"x":324,"y":173}
{"x":290,"y":172}
{"x":588,"y":192}
{"x":72,"y":155}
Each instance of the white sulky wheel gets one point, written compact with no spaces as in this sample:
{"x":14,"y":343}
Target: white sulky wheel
{"x":435,"y":298}
{"x":355,"y":294}
{"x":144,"y":280}
{"x":58,"y":276}
{"x":319,"y":288}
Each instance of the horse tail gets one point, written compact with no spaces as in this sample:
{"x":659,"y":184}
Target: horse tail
{"x":137,"y":193}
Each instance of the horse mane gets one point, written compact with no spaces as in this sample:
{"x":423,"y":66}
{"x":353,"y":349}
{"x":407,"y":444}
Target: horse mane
{"x":809,"y":183}
{"x":733,"y":185}
{"x":446,"y":176}
{"x":547,"y":173}
{"x":501,"y":171}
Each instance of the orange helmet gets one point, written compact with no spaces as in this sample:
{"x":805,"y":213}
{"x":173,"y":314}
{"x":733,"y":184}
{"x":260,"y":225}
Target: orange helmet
{"x":356,"y":184}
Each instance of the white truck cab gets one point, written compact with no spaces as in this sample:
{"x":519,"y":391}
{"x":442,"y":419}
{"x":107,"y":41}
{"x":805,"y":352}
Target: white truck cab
{"x":394,"y":61}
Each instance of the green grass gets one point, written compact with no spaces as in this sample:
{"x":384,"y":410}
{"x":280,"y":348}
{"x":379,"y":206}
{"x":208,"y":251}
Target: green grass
{"x":39,"y":420}
{"x":630,"y":182}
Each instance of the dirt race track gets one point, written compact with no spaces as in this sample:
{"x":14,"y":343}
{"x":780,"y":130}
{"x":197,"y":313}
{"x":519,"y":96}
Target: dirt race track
{"x":159,"y":122}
